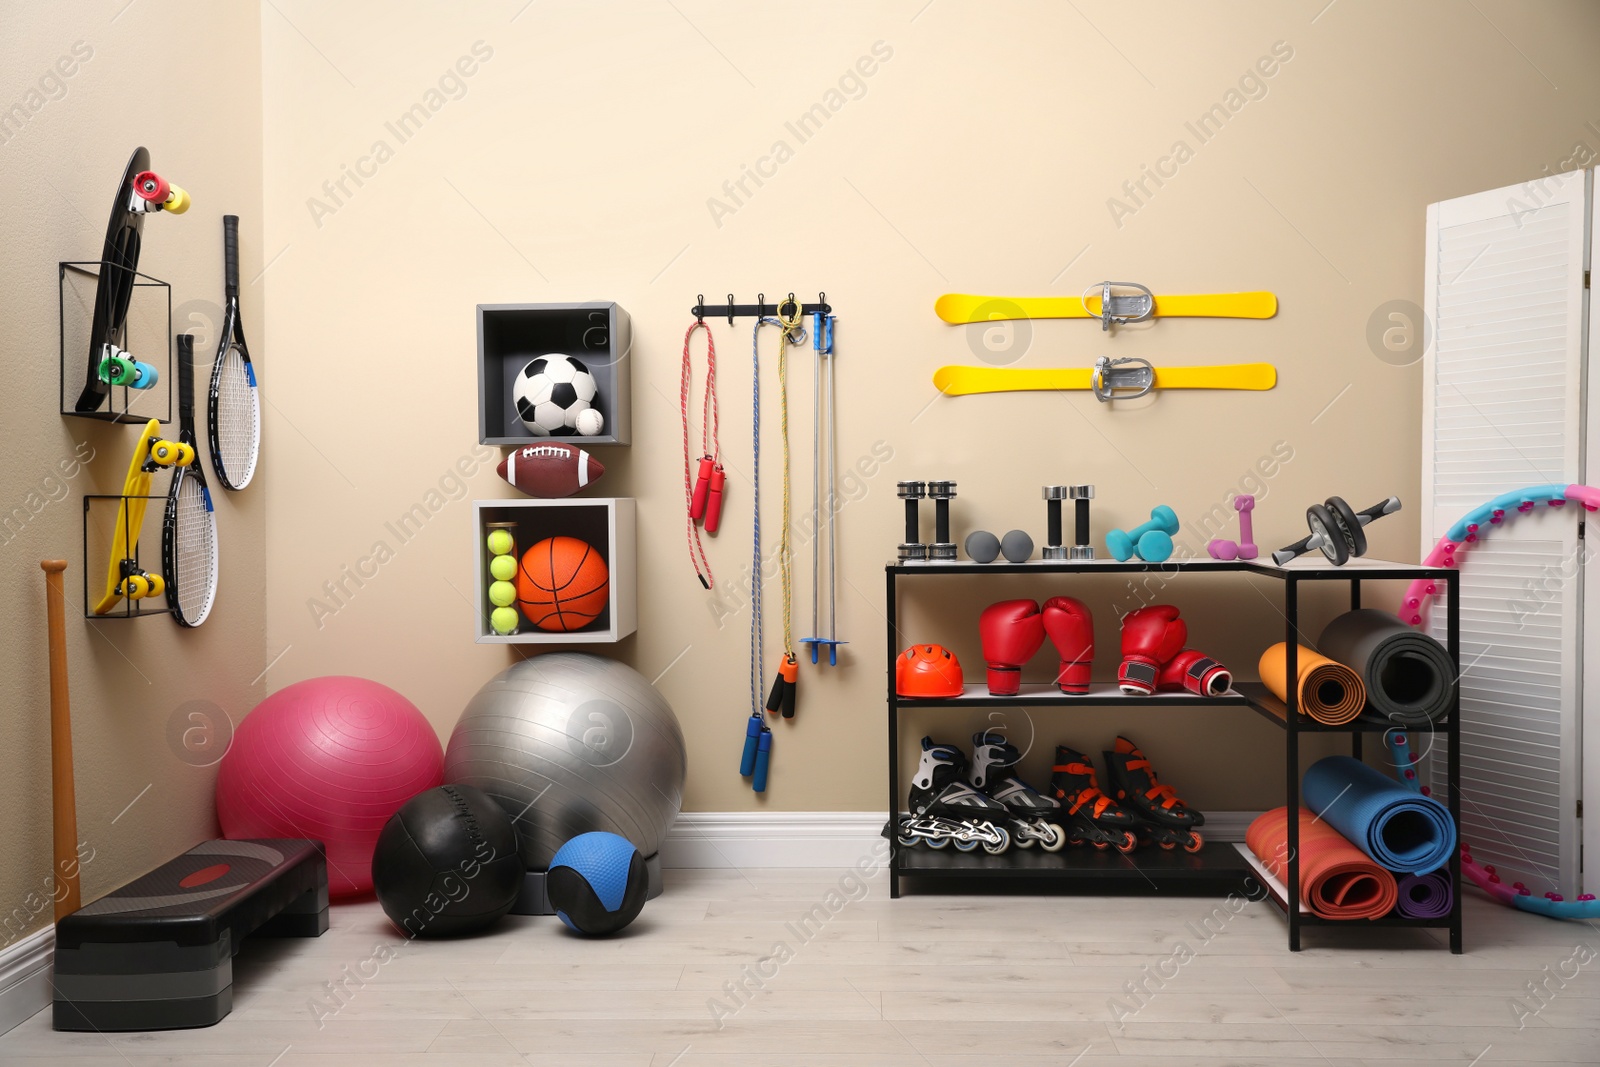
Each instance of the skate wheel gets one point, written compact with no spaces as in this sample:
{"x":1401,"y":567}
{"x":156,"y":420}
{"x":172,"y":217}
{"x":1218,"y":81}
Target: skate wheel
{"x":151,"y":186}
{"x":158,"y":584}
{"x":1101,"y":846}
{"x":134,"y":587}
{"x":166,"y":453}
{"x":906,"y":842}
{"x":118,"y":370}
{"x":186,"y":454}
{"x":178,"y":202}
{"x":936,"y":842}
{"x":1129,"y":842}
{"x":965,"y":846}
{"x":1056,"y":839}
{"x":1023,"y":842}
{"x":1195,"y":842}
{"x":145,"y":376}
{"x":999,"y":846}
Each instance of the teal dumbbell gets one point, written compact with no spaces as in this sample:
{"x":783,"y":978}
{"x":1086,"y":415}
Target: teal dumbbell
{"x":1151,"y":541}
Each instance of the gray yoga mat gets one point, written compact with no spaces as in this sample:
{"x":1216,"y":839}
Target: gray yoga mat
{"x":1410,"y":680}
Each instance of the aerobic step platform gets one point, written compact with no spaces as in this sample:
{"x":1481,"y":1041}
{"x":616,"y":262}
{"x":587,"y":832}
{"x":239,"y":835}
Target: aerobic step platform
{"x":157,"y":954}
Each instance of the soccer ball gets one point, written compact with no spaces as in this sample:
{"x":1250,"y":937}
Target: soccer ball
{"x":551,"y":391}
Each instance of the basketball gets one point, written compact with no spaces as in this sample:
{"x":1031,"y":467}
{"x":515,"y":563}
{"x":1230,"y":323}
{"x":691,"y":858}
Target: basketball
{"x":563,"y":584}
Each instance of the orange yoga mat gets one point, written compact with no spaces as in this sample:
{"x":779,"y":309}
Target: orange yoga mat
{"x":1330,"y":692}
{"x":1337,"y":879}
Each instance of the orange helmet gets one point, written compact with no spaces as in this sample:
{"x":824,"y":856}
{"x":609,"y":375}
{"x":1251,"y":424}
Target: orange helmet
{"x":927,"y":671}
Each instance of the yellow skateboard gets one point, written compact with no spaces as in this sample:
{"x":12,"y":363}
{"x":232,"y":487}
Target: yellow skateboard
{"x":124,"y":576}
{"x":1128,"y":303}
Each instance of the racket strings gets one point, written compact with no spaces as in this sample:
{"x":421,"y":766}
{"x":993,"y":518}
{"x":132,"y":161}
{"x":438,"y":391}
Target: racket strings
{"x":238,"y":418}
{"x":194,"y":563}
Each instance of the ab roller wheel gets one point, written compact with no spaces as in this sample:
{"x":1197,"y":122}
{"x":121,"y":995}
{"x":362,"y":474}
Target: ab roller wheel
{"x":1337,"y":530}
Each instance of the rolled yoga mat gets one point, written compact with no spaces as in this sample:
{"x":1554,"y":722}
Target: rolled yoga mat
{"x":1329,"y":692}
{"x":1404,"y":831}
{"x":1337,"y":881}
{"x":1426,"y":896}
{"x":1409,"y":677}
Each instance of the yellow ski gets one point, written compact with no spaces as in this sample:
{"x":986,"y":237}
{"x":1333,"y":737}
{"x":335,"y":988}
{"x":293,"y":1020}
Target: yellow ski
{"x":965,"y":381}
{"x":130,"y":518}
{"x":960,"y":308}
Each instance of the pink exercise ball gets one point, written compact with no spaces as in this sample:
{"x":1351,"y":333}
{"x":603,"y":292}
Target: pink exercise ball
{"x":329,"y":759}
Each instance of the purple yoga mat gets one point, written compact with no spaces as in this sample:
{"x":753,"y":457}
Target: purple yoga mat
{"x":1425,"y":896}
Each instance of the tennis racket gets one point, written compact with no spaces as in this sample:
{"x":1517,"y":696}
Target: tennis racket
{"x":189,"y":530}
{"x":235,"y":420}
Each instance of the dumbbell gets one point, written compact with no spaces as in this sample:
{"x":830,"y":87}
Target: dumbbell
{"x":1336,"y":530}
{"x":912,"y":550}
{"x":1150,"y":541}
{"x":1244,"y":548}
{"x":942,"y":549}
{"x":1080,"y":495}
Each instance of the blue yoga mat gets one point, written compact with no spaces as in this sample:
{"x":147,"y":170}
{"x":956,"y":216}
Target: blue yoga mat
{"x":1403,"y":831}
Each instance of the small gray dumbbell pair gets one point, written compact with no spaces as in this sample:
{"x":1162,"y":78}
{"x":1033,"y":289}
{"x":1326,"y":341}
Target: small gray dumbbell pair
{"x":984,"y":547}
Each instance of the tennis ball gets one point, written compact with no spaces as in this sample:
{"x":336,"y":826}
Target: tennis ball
{"x":502,"y":594}
{"x":503,"y":620}
{"x":503,"y":568}
{"x":501,"y":542}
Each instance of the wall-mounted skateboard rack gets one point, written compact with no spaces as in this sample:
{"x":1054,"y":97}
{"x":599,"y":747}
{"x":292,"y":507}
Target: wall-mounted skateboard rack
{"x":146,"y":336}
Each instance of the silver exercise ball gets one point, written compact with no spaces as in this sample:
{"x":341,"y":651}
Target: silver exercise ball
{"x":569,"y":742}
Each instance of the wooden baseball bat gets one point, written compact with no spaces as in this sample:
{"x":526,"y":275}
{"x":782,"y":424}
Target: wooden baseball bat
{"x":63,"y":792}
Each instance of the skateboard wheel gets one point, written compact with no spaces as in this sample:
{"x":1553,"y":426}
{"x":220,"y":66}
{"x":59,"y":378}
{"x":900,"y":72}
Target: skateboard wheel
{"x":118,"y":370}
{"x":156,"y":584}
{"x":135,"y":587}
{"x":145,"y":376}
{"x":178,"y":201}
{"x":151,"y":186}
{"x":185,"y":454}
{"x":166,"y":453}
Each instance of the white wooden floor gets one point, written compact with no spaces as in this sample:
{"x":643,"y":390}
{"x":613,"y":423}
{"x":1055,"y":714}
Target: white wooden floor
{"x":927,"y":980}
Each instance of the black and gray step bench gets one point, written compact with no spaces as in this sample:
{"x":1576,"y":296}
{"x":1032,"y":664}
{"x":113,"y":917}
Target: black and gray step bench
{"x":157,"y":954}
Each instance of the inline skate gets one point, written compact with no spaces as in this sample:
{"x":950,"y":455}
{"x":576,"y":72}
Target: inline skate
{"x":1034,"y":817}
{"x":1092,"y":816}
{"x":945,"y":809}
{"x":1161,"y":816}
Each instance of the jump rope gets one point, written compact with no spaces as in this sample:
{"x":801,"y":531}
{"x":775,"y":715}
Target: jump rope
{"x":703,"y":500}
{"x":756,"y":757}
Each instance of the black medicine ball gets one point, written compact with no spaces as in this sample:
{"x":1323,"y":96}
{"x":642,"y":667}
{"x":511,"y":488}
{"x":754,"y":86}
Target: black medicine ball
{"x":447,"y":863}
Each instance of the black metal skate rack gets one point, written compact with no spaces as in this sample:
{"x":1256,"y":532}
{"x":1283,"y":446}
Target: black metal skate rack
{"x":1218,"y":865}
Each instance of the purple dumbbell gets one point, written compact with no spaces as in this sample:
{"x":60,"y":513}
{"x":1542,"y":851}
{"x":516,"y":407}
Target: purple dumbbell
{"x":1244,"y":548}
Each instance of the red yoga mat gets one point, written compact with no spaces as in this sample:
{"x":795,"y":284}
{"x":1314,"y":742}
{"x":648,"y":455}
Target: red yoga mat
{"x":1337,"y":879}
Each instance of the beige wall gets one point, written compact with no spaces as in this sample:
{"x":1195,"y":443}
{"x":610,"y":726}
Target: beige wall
{"x":576,"y":163}
{"x":185,"y":81}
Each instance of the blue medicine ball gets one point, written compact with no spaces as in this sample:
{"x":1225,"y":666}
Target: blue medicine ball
{"x":597,"y":883}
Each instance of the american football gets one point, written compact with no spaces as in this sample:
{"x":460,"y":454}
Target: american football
{"x":550,"y":469}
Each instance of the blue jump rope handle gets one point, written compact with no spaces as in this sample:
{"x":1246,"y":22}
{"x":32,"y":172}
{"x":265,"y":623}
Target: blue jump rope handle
{"x":752,"y":732}
{"x":763,"y":759}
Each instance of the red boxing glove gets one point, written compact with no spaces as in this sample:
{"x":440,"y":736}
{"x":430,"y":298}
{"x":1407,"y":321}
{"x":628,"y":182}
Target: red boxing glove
{"x":714,"y":499}
{"x":1071,"y":630}
{"x":1012,"y":632}
{"x":1150,"y":636}
{"x":1194,"y":672}
{"x":702,"y":486}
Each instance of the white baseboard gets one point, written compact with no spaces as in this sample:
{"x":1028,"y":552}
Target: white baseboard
{"x":824,"y":839}
{"x":25,"y":977}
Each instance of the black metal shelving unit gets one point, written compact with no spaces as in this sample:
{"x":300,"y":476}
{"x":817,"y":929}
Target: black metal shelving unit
{"x":1218,"y":865}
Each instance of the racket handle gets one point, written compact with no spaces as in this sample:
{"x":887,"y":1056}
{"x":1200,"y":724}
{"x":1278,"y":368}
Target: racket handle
{"x":763,"y":761}
{"x":185,"y":378}
{"x":702,"y":486}
{"x":752,"y":731}
{"x":230,"y":253}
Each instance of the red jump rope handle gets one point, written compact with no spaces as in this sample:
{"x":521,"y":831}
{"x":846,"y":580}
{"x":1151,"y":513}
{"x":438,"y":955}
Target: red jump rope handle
{"x":702,"y":486}
{"x":714,"y":500}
